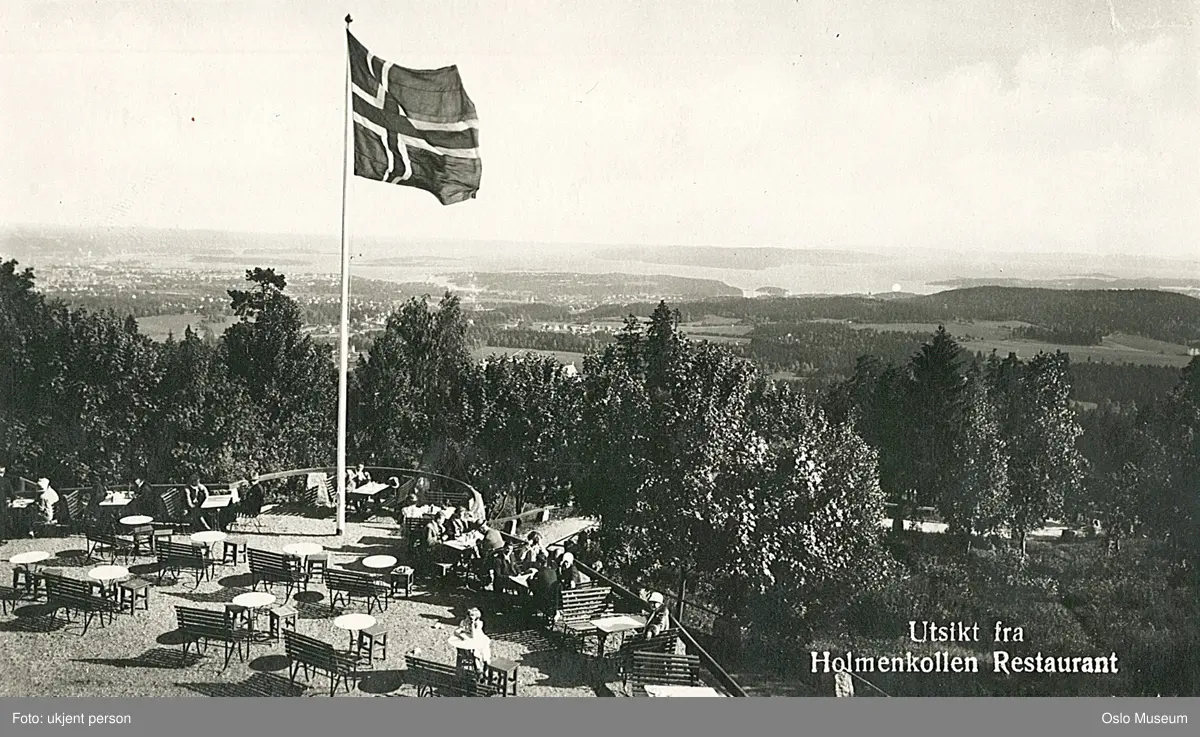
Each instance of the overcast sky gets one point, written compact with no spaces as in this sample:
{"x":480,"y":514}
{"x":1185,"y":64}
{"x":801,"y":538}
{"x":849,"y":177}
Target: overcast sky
{"x":1022,"y":125}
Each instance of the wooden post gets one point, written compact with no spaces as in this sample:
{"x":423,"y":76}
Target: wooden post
{"x":679,"y":605}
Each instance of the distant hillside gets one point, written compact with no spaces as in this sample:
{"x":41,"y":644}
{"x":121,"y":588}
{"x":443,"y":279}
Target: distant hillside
{"x":598,"y":287}
{"x":1166,"y":316}
{"x":751,"y":259}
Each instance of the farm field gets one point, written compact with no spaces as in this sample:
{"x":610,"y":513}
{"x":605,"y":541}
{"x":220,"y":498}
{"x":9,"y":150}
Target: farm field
{"x":158,"y":327}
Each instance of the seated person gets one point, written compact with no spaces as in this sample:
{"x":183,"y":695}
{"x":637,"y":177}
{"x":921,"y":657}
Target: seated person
{"x":545,"y":589}
{"x":659,"y":620}
{"x":358,"y":476}
{"x":47,"y":502}
{"x":253,"y":497}
{"x":141,"y":496}
{"x":456,"y":525}
{"x":194,"y":495}
{"x":503,"y":566}
{"x":492,"y":541}
{"x":569,"y":576}
{"x":533,"y":556}
{"x":472,"y":628}
{"x":412,"y":507}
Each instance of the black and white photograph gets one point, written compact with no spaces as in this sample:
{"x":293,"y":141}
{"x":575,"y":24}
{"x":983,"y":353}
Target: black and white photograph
{"x":636,"y":348}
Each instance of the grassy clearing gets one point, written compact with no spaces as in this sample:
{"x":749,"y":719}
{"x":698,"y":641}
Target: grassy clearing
{"x":158,"y":327}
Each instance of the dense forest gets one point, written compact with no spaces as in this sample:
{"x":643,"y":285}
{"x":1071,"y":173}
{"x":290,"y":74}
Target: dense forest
{"x":767,"y":500}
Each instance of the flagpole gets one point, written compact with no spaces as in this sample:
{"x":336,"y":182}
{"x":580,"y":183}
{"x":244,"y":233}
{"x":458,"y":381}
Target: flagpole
{"x":344,"y":345}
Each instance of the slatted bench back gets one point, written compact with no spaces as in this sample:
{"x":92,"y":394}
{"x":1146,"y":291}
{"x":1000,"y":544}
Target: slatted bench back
{"x":444,"y":498}
{"x":665,"y":668}
{"x":181,"y":554}
{"x":582,"y":605}
{"x":73,"y":504}
{"x":663,"y":642}
{"x":352,"y":582}
{"x":304,"y":649}
{"x":272,"y":563}
{"x":174,"y":504}
{"x":68,"y":590}
{"x":205,"y":622}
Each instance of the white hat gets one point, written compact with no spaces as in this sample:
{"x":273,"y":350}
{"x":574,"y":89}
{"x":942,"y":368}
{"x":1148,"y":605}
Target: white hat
{"x":43,"y":483}
{"x":568,"y":559}
{"x":655,"y":598}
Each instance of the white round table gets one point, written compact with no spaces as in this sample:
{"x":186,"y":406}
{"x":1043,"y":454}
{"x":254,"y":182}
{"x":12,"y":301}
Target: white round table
{"x":107,"y":576}
{"x":303,"y":550}
{"x":353,"y":623}
{"x":252,"y":602}
{"x":30,"y":558}
{"x":379,"y":562}
{"x":208,"y":537}
{"x":254,"y":599}
{"x":136,"y":520}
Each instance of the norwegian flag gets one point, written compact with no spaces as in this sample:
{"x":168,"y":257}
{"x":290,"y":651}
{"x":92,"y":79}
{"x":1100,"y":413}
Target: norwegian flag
{"x":413,"y":127}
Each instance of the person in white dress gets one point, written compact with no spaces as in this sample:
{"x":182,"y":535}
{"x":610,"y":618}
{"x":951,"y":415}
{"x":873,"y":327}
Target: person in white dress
{"x":471,"y":628}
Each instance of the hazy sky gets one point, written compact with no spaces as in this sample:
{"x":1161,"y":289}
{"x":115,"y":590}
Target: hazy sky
{"x":1030,"y":124}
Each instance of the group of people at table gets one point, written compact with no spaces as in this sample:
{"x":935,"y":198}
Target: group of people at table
{"x":24,"y":514}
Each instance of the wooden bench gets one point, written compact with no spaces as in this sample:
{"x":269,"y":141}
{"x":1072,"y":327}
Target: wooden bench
{"x":664,"y":642}
{"x":577,"y":607}
{"x":101,"y":542}
{"x":666,"y":669}
{"x":310,"y":653}
{"x":204,"y":626}
{"x":268,"y":568}
{"x":71,"y":595}
{"x":350,"y":585}
{"x":432,"y":678}
{"x":175,"y":557}
{"x":174,"y":509}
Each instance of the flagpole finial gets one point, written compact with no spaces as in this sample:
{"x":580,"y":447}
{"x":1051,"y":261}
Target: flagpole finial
{"x":349,"y":20}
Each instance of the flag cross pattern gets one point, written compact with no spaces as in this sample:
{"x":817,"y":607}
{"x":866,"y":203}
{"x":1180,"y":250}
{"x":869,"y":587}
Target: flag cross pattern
{"x":413,"y":127}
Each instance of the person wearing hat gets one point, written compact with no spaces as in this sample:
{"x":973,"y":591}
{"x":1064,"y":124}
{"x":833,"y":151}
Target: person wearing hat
{"x":659,"y":620}
{"x":569,"y":576}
